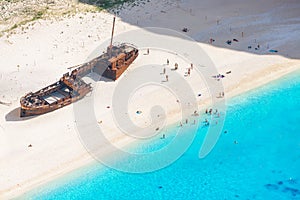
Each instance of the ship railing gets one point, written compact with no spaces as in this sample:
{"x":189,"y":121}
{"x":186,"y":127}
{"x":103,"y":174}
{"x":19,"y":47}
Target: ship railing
{"x":124,"y":43}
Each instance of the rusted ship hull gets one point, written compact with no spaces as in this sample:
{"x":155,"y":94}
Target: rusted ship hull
{"x":26,"y":112}
{"x":31,"y":111}
{"x":52,"y":98}
{"x":115,"y":73}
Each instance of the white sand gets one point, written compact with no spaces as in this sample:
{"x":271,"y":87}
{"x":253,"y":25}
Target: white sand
{"x":48,"y":48}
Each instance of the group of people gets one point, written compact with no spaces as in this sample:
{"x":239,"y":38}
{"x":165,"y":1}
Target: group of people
{"x":256,"y":48}
{"x":211,"y":112}
{"x":221,"y":94}
{"x":189,"y":69}
{"x":186,"y":122}
{"x":188,"y":73}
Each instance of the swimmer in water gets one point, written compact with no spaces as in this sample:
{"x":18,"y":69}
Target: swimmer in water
{"x":206,"y":122}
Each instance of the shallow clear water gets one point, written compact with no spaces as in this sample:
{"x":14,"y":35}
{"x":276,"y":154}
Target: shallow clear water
{"x":265,"y":164}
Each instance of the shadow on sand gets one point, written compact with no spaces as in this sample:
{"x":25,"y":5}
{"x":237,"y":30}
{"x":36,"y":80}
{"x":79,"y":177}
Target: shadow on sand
{"x":14,"y":115}
{"x":186,"y":11}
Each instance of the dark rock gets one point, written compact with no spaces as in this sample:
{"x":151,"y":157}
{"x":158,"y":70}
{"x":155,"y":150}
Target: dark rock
{"x":271,"y":186}
{"x":293,"y":191}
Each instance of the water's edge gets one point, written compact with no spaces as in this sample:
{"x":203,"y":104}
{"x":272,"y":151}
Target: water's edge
{"x":233,"y":104}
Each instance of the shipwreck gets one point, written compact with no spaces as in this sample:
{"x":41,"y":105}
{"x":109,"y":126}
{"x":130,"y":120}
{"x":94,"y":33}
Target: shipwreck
{"x":71,"y":87}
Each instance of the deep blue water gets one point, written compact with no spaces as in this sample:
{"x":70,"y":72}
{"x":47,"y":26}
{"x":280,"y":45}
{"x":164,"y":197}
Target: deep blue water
{"x":264,"y":164}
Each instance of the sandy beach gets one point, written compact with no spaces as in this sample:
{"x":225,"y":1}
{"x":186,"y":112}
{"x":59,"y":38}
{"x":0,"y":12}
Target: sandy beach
{"x":35,"y":57}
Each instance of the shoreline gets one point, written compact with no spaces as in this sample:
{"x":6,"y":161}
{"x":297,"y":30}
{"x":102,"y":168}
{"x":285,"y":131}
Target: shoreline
{"x":41,"y":149}
{"x":86,"y":160}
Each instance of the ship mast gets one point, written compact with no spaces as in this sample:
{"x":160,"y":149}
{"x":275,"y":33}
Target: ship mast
{"x":112,"y":35}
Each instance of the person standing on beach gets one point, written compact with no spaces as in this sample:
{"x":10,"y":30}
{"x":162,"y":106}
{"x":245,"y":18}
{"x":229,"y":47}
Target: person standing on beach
{"x":168,"y":61}
{"x":167,"y":78}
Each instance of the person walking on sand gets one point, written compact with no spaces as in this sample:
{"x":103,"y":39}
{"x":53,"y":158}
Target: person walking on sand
{"x":164,"y":71}
{"x":176,"y":66}
{"x":148,"y":51}
{"x":168,"y":61}
{"x":192,"y":66}
{"x":167,"y":78}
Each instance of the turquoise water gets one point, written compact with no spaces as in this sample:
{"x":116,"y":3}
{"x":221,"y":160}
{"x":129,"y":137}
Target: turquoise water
{"x":264,"y":164}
